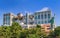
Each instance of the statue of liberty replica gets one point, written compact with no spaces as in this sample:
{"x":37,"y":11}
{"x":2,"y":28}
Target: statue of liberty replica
{"x":52,"y":21}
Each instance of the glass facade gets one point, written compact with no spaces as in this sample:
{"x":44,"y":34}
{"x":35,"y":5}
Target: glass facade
{"x":7,"y":20}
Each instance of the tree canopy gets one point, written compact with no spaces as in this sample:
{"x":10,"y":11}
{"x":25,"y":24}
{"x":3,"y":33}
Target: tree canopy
{"x":16,"y":31}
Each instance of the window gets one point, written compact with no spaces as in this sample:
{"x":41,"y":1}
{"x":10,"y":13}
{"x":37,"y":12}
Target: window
{"x":8,"y":17}
{"x":38,"y":22}
{"x":48,"y":21}
{"x":38,"y":16}
{"x":35,"y":17}
{"x":48,"y":16}
{"x":42,"y":22}
{"x":41,"y":16}
{"x":8,"y":20}
{"x":45,"y":16}
{"x":45,"y":21}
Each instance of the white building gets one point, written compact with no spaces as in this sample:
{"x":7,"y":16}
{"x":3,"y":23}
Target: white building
{"x":43,"y":16}
{"x":7,"y":19}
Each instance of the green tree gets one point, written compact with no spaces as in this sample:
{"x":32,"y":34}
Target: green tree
{"x":23,"y":33}
{"x":57,"y":31}
{"x":38,"y":26}
{"x":5,"y":31}
{"x":15,"y":30}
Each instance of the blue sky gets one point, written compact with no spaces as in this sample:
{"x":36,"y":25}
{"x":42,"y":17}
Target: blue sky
{"x":16,"y":6}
